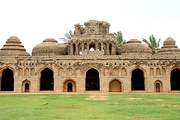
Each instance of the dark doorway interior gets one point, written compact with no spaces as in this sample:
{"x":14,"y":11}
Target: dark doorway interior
{"x":69,"y":87}
{"x":158,"y":87}
{"x":92,"y":80}
{"x":175,"y":79}
{"x":27,"y":87}
{"x":47,"y":80}
{"x":137,"y":80}
{"x":7,"y":83}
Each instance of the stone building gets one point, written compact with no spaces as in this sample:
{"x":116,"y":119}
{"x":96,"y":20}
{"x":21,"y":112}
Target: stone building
{"x":90,"y":61}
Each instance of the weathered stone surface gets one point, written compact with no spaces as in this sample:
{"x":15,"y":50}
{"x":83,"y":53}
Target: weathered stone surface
{"x":90,"y":61}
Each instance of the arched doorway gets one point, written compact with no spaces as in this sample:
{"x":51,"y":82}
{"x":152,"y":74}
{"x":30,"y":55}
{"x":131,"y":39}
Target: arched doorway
{"x":7,"y":81}
{"x":92,"y":80}
{"x":137,"y":80}
{"x":69,"y":86}
{"x":115,"y":86}
{"x":26,"y":87}
{"x":26,"y":84}
{"x":175,"y":79}
{"x":47,"y":80}
{"x":158,"y":86}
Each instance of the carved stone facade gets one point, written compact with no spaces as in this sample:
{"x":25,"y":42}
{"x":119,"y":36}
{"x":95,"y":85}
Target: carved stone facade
{"x":90,"y":61}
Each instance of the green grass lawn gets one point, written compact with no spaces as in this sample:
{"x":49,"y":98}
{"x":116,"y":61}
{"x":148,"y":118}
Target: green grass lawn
{"x":90,"y":107}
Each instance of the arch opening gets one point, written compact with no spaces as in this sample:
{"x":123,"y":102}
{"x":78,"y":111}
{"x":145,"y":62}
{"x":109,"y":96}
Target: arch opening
{"x":115,"y":86}
{"x":92,"y":80}
{"x":157,"y":87}
{"x":175,"y":79}
{"x":7,"y":81}
{"x":26,"y":87}
{"x":47,"y":80}
{"x":69,"y":86}
{"x":137,"y":80}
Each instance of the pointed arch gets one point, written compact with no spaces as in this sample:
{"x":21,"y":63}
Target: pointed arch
{"x":115,"y":71}
{"x":92,"y":46}
{"x":32,"y":72}
{"x":137,"y":80}
{"x":106,"y":72}
{"x":26,"y":86}
{"x":158,"y":86}
{"x":7,"y":80}
{"x":78,"y":71}
{"x":47,"y":79}
{"x":115,"y":86}
{"x":123,"y":72}
{"x":151,"y":72}
{"x":26,"y":72}
{"x":163,"y":71}
{"x":175,"y":79}
{"x":92,"y":80}
{"x":60,"y":71}
{"x":69,"y":86}
{"x":158,"y":72}
{"x":20,"y":72}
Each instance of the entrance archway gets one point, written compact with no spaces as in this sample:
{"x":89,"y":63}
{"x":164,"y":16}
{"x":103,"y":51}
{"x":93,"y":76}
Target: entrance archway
{"x":7,"y":81}
{"x":26,"y":85}
{"x":92,"y":80}
{"x":137,"y":80}
{"x":115,"y":86}
{"x":158,"y":86}
{"x":47,"y":80}
{"x":175,"y":79}
{"x":69,"y":86}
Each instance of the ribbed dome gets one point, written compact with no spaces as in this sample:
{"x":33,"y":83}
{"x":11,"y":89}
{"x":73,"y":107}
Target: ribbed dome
{"x":169,"y":47}
{"x":13,"y":47}
{"x":135,"y":46}
{"x":49,"y":47}
{"x":169,"y":41}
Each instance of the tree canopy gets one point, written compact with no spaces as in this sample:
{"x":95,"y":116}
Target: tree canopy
{"x":152,"y":43}
{"x":119,"y":37}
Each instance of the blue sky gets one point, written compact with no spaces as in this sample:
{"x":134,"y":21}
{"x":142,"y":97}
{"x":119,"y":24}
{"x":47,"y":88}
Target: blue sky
{"x":35,"y":20}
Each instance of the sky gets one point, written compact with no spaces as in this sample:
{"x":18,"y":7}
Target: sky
{"x":32,"y":21}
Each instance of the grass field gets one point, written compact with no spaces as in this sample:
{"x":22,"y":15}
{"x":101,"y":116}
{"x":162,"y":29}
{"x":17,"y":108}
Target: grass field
{"x":90,"y":107}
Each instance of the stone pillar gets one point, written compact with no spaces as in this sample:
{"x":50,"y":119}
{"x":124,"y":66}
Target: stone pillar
{"x":71,"y":49}
{"x":87,"y":48}
{"x":77,"y":49}
{"x":82,"y":45}
{"x":113,"y":50}
{"x":96,"y":46}
{"x":107,"y":49}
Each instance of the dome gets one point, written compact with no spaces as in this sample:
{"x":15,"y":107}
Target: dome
{"x":13,"y":47}
{"x":169,"y":42}
{"x":169,"y":47}
{"x":135,"y":46}
{"x":49,"y":47}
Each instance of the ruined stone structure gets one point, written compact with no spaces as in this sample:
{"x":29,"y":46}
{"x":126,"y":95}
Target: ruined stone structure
{"x":90,"y":61}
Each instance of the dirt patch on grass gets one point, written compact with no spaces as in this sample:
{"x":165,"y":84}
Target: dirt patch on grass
{"x":97,"y":97}
{"x":66,"y":107}
{"x":158,"y":100}
{"x":170,"y":105}
{"x":132,"y":98}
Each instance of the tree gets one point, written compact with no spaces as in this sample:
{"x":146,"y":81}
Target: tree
{"x":69,"y":35}
{"x":119,"y":37}
{"x":152,"y":43}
